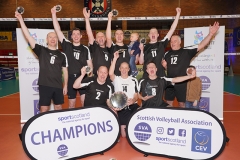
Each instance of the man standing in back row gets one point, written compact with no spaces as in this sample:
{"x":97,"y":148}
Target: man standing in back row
{"x":178,"y":60}
{"x":78,"y":57}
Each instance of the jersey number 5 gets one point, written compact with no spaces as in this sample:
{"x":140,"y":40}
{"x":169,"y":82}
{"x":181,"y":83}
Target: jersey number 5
{"x":174,"y":60}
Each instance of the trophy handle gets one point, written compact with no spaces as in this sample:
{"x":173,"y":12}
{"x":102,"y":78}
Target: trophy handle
{"x":58,"y":8}
{"x":114,"y":12}
{"x":20,"y":9}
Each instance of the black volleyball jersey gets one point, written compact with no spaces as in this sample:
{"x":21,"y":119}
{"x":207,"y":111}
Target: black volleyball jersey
{"x":96,"y":94}
{"x":51,"y":63}
{"x":178,"y":61}
{"x":154,"y":87}
{"x":154,"y":52}
{"x":100,"y":57}
{"x":123,"y":56}
{"x":77,"y":56}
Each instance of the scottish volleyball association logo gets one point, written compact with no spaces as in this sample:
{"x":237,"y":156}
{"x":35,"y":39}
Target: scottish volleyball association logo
{"x":201,"y":140}
{"x":142,"y":132}
{"x":62,"y":150}
{"x":206,"y":83}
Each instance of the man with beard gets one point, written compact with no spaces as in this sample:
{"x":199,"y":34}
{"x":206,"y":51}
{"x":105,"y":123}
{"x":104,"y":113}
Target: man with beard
{"x":154,"y":51}
{"x":78,"y":56}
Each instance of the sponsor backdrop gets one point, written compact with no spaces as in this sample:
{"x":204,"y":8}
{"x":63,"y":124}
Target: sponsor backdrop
{"x":210,"y":67}
{"x":28,"y":66}
{"x":70,"y":133}
{"x":7,"y":73}
{"x":176,"y":133}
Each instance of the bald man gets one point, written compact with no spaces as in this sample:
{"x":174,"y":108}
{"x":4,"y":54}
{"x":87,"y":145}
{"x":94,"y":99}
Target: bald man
{"x":52,"y":63}
{"x":177,"y":61}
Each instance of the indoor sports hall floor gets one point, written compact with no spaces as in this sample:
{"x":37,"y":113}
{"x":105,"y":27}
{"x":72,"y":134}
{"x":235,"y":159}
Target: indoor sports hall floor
{"x":10,"y":127}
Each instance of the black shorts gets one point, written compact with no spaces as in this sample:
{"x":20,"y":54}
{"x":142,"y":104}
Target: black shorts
{"x":125,"y":113}
{"x":178,"y":90}
{"x":72,"y":92}
{"x":47,"y":94}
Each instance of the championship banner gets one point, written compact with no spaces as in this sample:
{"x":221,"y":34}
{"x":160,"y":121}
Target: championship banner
{"x":176,"y":133}
{"x":98,"y":8}
{"x":236,"y":37}
{"x":7,"y":73}
{"x":5,"y":36}
{"x":28,"y":66}
{"x":209,"y":66}
{"x":68,"y":134}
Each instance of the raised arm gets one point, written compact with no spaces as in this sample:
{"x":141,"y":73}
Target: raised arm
{"x":108,"y":30}
{"x":113,"y":64}
{"x":141,"y":57}
{"x":78,"y":82}
{"x":182,"y":78}
{"x":174,"y":25}
{"x":212,"y":30}
{"x":25,"y":31}
{"x":88,"y":26}
{"x":56,"y":25}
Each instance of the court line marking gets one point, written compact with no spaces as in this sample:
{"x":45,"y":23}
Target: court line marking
{"x":10,"y":114}
{"x":9,"y":95}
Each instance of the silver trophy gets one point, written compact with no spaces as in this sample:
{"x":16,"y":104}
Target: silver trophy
{"x":114,"y":12}
{"x":88,"y":69}
{"x":143,"y":40}
{"x":58,"y":8}
{"x":118,"y":100}
{"x":20,"y":9}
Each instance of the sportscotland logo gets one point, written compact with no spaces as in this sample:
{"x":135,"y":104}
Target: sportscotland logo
{"x":198,"y":37}
{"x":62,"y":150}
{"x":201,"y":140}
{"x":142,"y":132}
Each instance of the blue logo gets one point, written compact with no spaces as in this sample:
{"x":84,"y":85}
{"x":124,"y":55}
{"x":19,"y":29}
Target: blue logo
{"x":35,"y":85}
{"x":204,"y":104}
{"x":62,"y":150}
{"x":198,"y":37}
{"x":171,"y":131}
{"x":142,"y":131}
{"x":201,"y":140}
{"x":36,"y":107}
{"x":182,"y":132}
{"x":205,"y":82}
{"x":160,"y":130}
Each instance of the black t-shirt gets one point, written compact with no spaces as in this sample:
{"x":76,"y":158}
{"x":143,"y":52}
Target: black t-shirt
{"x":77,"y":56}
{"x":154,"y":87}
{"x":154,"y":52}
{"x":178,"y":61}
{"x":100,"y":57}
{"x":51,"y":63}
{"x":96,"y":94}
{"x":123,"y":56}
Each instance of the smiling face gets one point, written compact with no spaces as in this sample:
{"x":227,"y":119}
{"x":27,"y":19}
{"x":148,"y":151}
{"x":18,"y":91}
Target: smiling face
{"x":52,"y":39}
{"x":153,"y":35}
{"x":101,"y":39}
{"x":76,"y":36}
{"x":124,"y":69}
{"x":102,"y":74}
{"x":175,"y":42}
{"x":119,"y":36}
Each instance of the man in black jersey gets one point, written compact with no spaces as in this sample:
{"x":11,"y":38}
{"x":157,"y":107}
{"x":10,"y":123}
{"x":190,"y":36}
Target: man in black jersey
{"x":98,"y":90}
{"x":51,"y":62}
{"x":151,"y":89}
{"x":78,"y":56}
{"x":154,"y":51}
{"x":119,"y":46}
{"x":177,"y":61}
{"x":99,"y":52}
